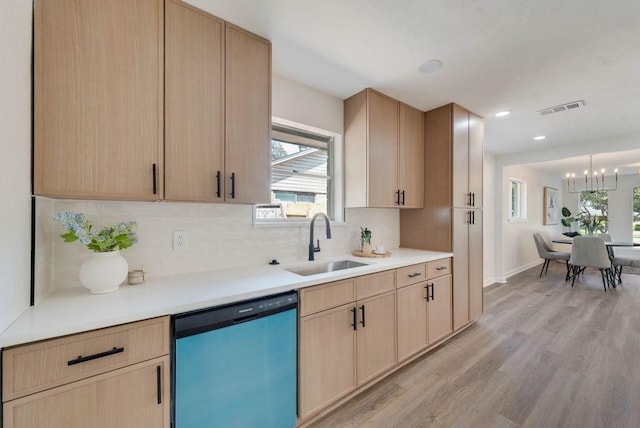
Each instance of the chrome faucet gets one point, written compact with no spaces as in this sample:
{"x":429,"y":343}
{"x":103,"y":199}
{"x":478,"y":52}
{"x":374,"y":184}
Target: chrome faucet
{"x":312,"y":248}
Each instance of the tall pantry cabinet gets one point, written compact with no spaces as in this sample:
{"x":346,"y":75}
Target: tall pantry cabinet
{"x":451,"y":219}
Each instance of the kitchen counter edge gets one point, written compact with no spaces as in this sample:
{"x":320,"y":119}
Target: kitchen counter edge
{"x":74,"y":310}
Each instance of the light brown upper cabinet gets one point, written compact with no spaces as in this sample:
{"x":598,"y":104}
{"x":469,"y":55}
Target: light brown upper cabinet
{"x":218,"y":109}
{"x":383,"y":152}
{"x":98,"y":88}
{"x":101,"y":75}
{"x":194,"y":107}
{"x":248,"y":117}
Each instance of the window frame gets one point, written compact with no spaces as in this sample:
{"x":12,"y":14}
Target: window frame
{"x":335,"y":203}
{"x":521,"y":200}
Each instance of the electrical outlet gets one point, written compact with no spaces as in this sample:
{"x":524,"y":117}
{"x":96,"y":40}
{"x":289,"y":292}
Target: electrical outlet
{"x":180,"y":240}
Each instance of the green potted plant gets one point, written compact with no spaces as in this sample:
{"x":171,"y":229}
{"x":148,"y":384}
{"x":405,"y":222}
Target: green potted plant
{"x":365,"y":240}
{"x":568,"y":220}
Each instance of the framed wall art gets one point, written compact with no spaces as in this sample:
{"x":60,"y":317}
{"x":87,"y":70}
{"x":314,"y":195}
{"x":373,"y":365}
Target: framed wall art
{"x":551,"y":208}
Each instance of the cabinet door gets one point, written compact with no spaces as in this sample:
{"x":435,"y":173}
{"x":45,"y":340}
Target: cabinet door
{"x":98,"y":110}
{"x":460,"y":267}
{"x":476,"y":151}
{"x":376,"y":338}
{"x":326,"y":358}
{"x":460,"y":173}
{"x":412,"y":319}
{"x":136,"y":396}
{"x":194,"y":105}
{"x":383,"y":150}
{"x":440,"y":309}
{"x":475,"y":266}
{"x":248,"y":117}
{"x":411,"y":157}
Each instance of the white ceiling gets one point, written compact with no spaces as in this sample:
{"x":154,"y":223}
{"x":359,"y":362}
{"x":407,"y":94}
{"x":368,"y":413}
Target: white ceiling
{"x":518,"y":55}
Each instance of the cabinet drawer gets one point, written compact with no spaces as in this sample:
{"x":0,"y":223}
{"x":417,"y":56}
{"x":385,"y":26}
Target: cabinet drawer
{"x":326,"y":296}
{"x":412,"y":274}
{"x":31,"y":368}
{"x":377,"y":283}
{"x":438,"y":268}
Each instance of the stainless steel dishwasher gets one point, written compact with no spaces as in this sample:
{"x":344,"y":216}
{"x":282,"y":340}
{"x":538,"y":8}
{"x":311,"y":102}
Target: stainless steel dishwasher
{"x":236,"y":365}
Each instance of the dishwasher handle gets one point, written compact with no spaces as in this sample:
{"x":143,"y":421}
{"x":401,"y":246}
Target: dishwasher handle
{"x":245,"y":319}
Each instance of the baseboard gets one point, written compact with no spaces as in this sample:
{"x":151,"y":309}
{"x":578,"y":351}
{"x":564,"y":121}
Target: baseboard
{"x":494,"y":279}
{"x":523,"y":268}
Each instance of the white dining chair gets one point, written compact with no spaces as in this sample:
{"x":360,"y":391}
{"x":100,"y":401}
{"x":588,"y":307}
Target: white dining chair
{"x":591,"y":252}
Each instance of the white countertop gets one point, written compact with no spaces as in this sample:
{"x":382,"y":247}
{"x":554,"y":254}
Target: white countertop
{"x":75,"y":310}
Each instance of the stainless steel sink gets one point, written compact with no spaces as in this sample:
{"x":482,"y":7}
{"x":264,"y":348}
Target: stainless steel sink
{"x":314,"y":269}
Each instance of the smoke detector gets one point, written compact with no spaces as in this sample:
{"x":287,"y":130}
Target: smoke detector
{"x":562,"y":107}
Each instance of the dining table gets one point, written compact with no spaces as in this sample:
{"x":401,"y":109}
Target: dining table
{"x":609,"y":244}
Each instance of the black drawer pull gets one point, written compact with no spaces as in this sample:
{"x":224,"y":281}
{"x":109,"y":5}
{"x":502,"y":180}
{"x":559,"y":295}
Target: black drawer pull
{"x":82,"y":359}
{"x":159,"y":383}
{"x":413,"y":275}
{"x":153,"y":171}
{"x":233,"y":185}
{"x":441,"y":267}
{"x":218,"y":184}
{"x":355,"y":322}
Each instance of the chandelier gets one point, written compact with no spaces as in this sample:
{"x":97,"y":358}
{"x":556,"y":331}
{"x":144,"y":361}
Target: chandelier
{"x":593,"y":182}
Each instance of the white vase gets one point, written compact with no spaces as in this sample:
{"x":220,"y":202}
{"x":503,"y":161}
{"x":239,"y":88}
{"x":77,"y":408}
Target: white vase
{"x":103,"y":272}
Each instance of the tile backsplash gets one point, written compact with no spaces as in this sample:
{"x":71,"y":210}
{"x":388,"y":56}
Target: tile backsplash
{"x":219,"y":236}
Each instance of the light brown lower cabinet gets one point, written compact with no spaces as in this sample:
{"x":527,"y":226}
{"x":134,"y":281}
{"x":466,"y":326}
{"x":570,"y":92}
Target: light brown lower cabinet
{"x":354,"y":332}
{"x":136,"y":396}
{"x":344,"y":347}
{"x":424,"y":315}
{"x":112,"y":377}
{"x":327,"y":359}
{"x":376,"y":336}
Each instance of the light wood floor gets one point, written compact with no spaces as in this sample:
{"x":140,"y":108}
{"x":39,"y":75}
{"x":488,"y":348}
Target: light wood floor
{"x":542,"y":355}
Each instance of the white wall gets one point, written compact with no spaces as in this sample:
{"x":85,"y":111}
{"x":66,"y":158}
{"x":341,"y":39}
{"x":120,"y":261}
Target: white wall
{"x":15,"y":155}
{"x":517,"y":247}
{"x":489,"y":217}
{"x":220,"y":236}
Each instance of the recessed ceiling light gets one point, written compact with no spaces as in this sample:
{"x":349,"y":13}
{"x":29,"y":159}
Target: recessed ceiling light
{"x":539,"y":137}
{"x":503,"y":113}
{"x":430,"y":66}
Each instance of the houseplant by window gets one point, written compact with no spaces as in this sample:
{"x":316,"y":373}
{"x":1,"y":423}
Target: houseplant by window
{"x":106,"y":269}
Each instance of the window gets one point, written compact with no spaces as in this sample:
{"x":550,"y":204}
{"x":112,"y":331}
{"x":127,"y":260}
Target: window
{"x":636,"y":214}
{"x":594,"y":212}
{"x":301,"y":175}
{"x":517,"y":200}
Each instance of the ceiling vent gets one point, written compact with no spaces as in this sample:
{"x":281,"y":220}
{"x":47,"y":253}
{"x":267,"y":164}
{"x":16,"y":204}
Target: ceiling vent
{"x":562,"y":107}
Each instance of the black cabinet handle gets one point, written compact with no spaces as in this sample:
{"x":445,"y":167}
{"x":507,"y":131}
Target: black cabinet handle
{"x":218,"y":184}
{"x":398,"y":197}
{"x":441,"y":268}
{"x":233,"y":185}
{"x":469,"y":194}
{"x":426,"y":287}
{"x":355,"y":319}
{"x":433,"y":297}
{"x":82,"y":359}
{"x":159,"y":383}
{"x":473,"y":199}
{"x":473,"y":217}
{"x":469,"y":214}
{"x":413,"y":275}
{"x":155,"y":187}
{"x":403,"y":197}
{"x":363,"y":319}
